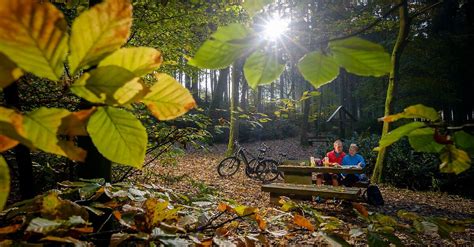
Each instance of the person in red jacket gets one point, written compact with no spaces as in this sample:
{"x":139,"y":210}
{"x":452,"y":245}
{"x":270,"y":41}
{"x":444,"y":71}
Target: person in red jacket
{"x":332,"y":158}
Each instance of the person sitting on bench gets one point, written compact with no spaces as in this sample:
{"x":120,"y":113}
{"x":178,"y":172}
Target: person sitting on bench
{"x":332,"y":158}
{"x":352,"y":159}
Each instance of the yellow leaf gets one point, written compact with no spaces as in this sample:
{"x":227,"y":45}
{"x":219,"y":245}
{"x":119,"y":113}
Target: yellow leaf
{"x":168,"y":99}
{"x":139,"y":60}
{"x":42,"y":126}
{"x":33,"y":35}
{"x":4,"y":182}
{"x":157,"y":211}
{"x":9,"y":72}
{"x":99,"y":31}
{"x":303,"y":222}
{"x":109,"y":84}
{"x":244,"y":210}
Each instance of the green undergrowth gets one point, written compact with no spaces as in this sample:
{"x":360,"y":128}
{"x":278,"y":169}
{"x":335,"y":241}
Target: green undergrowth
{"x":92,"y":212}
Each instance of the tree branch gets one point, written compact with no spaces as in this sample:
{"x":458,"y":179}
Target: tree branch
{"x":371,"y":25}
{"x":425,"y":9}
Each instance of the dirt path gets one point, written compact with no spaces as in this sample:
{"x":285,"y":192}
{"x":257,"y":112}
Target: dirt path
{"x":201,"y":168}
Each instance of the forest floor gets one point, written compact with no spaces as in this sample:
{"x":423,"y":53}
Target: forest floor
{"x":198,"y":169}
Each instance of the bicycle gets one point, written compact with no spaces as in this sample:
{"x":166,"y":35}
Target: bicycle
{"x":268,"y":171}
{"x":230,"y":165}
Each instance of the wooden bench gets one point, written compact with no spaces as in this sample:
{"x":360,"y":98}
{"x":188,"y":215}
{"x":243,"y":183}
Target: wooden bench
{"x":299,"y":184}
{"x":306,"y":192}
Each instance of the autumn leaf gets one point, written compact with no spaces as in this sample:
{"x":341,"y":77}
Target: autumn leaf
{"x":9,"y":71}
{"x":7,"y":143}
{"x":303,"y":222}
{"x":98,"y":32}
{"x":361,"y":209}
{"x":168,"y":99}
{"x":34,"y":35}
{"x":262,"y":224}
{"x":75,"y":123}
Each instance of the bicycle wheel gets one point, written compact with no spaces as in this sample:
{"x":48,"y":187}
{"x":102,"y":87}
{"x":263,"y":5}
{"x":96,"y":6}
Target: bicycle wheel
{"x":228,"y":166}
{"x":267,"y":170}
{"x":250,"y":169}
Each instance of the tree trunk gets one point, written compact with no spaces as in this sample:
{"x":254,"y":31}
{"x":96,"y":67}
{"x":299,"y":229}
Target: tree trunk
{"x":304,"y":120}
{"x":234,"y":102}
{"x":95,"y":164}
{"x":22,"y":153}
{"x":243,"y":97}
{"x":393,"y":79}
{"x":220,"y":88}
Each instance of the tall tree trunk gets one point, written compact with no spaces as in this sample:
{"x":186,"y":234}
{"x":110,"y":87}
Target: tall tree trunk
{"x":219,"y":91}
{"x":95,"y":164}
{"x":195,"y":86}
{"x":243,"y":97}
{"x":258,"y":99}
{"x":234,"y":102}
{"x":392,"y":81}
{"x":304,"y":120}
{"x":22,"y":153}
{"x":206,"y":77}
{"x":282,"y":85}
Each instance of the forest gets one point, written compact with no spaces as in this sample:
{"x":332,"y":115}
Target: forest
{"x":236,"y":123}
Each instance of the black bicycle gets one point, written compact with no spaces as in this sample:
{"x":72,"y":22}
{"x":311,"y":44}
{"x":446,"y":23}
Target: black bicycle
{"x":230,"y":165}
{"x":268,"y":171}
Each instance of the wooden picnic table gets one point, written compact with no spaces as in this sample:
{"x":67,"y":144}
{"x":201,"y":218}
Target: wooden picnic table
{"x":298,"y":178}
{"x":299,"y":171}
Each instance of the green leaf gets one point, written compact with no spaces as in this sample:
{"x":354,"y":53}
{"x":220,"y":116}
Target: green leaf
{"x":41,"y":128}
{"x":398,"y":133}
{"x":99,"y":31}
{"x":118,"y":135}
{"x":376,"y":240}
{"x":4,"y":182}
{"x":407,"y":215}
{"x":253,"y":6}
{"x":33,"y":35}
{"x":111,"y":85}
{"x":465,"y":141}
{"x":414,"y":111}
{"x":318,"y":68}
{"x":392,"y":238}
{"x":261,"y":68}
{"x":139,"y":60}
{"x":168,"y":99}
{"x":361,"y":57}
{"x":9,"y":71}
{"x":422,"y":141}
{"x":226,"y":45}
{"x":43,"y":226}
{"x":454,"y":160}
{"x":334,"y":239}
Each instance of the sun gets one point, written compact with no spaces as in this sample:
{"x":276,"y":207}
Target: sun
{"x":274,"y":28}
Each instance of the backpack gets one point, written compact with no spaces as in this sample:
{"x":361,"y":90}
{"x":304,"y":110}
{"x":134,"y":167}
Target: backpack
{"x":374,"y":196}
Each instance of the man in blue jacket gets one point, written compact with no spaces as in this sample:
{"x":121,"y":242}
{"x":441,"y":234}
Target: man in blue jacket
{"x":352,"y":159}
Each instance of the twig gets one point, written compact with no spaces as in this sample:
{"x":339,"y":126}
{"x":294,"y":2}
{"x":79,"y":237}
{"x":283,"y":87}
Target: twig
{"x":103,"y":224}
{"x":371,"y":25}
{"x":227,"y":221}
{"x":423,"y":10}
{"x":209,"y":222}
